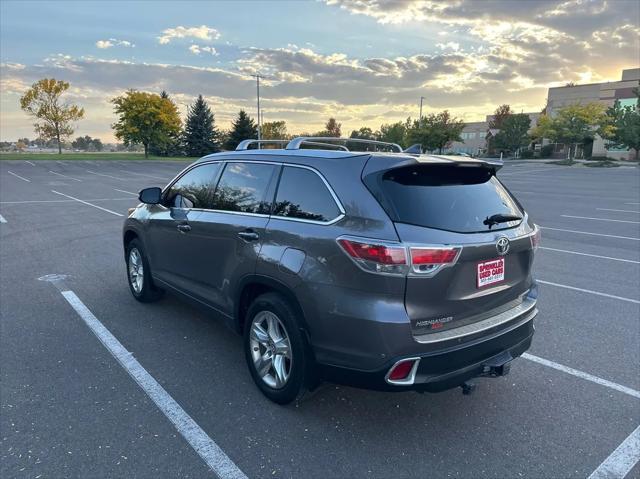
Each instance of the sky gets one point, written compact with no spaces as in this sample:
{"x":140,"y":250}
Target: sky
{"x":363,"y":62}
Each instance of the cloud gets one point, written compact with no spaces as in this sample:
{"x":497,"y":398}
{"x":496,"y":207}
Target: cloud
{"x":202,"y":32}
{"x":197,"y":50}
{"x":104,"y":44}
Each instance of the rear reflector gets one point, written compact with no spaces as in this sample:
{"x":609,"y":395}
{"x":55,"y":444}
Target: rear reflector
{"x":402,"y":371}
{"x":536,"y":238}
{"x":377,"y":253}
{"x":433,"y":255}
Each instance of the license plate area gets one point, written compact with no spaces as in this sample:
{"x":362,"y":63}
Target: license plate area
{"x":490,"y":272}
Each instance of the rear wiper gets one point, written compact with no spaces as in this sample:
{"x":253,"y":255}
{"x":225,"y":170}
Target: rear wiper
{"x":500,"y":218}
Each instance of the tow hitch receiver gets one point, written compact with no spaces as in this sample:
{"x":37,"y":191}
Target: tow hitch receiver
{"x":499,"y":365}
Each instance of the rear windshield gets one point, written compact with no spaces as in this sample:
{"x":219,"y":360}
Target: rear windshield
{"x":446,"y":197}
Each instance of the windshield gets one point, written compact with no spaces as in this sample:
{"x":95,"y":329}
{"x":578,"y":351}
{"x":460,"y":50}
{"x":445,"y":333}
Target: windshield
{"x":448,"y":197}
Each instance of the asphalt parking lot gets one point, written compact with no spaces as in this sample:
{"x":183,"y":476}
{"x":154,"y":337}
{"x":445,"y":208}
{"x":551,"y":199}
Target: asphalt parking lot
{"x":571,"y":408}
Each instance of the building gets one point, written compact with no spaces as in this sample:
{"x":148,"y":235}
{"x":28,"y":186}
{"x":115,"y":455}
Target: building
{"x":606,"y":93}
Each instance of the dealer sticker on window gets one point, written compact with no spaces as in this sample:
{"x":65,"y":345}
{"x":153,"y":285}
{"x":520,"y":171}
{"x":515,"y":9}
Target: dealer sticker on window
{"x":490,"y":272}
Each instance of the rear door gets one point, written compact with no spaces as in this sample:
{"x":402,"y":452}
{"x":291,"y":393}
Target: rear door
{"x":448,"y":206}
{"x":227,"y":236}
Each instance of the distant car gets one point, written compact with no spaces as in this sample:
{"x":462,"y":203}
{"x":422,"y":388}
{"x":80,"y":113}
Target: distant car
{"x":377,"y":269}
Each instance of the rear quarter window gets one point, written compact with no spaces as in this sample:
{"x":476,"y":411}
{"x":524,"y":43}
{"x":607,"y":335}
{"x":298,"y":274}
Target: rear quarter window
{"x":446,"y":197}
{"x":302,"y":194}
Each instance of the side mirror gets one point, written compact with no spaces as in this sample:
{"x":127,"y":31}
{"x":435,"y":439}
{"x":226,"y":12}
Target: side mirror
{"x":150,"y":196}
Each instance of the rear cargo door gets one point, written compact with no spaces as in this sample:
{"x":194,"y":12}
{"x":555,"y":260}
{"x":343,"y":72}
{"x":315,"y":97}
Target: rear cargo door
{"x":464,"y":208}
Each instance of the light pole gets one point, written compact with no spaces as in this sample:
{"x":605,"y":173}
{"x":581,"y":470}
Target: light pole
{"x":421,"y":99}
{"x":257,"y":76}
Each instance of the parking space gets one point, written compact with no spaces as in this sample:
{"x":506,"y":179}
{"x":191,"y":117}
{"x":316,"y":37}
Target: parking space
{"x":69,"y":408}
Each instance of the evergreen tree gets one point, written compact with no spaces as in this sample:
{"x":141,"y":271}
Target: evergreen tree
{"x":243,"y":128}
{"x":200,"y":134}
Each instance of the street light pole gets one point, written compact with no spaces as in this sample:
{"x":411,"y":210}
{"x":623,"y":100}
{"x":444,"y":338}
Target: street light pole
{"x":257,"y":77}
{"x":421,"y":99}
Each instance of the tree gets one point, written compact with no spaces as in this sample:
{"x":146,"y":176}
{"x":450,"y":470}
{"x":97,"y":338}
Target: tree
{"x":625,"y":126}
{"x":86,"y":143}
{"x":43,"y":102}
{"x":145,"y":118}
{"x":495,"y":125}
{"x":243,"y":128}
{"x":331,"y":128}
{"x":436,"y":131}
{"x":200,"y":134}
{"x":574,"y":124}
{"x":364,"y":133}
{"x":274,"y":130}
{"x":172,"y":145}
{"x":395,"y":132}
{"x":514,"y":132}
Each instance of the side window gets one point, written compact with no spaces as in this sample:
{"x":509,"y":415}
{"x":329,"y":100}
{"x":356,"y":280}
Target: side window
{"x":243,"y":188}
{"x":302,"y":194}
{"x":194,"y":189}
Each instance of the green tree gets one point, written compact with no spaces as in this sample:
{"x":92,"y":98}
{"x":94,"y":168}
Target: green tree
{"x":243,"y":128}
{"x":172,"y":146}
{"x":54,"y":117}
{"x":574,"y":124}
{"x":514,"y":132}
{"x":625,"y":126}
{"x":395,"y":132}
{"x":495,"y":125}
{"x":200,"y":135}
{"x":274,"y":130}
{"x":331,"y":128}
{"x":364,"y":133}
{"x":86,"y":143}
{"x":436,"y":131}
{"x":145,"y":118}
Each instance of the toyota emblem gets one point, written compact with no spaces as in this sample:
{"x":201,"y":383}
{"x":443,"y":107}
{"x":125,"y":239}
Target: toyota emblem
{"x":502,"y":245}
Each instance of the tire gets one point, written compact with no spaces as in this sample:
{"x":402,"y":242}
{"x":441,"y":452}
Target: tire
{"x":139,"y":277}
{"x":273,"y":309}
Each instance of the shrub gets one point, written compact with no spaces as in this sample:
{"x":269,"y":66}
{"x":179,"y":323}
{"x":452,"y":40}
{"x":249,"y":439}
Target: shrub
{"x":600,"y":158}
{"x":546,"y":151}
{"x":526,"y":154}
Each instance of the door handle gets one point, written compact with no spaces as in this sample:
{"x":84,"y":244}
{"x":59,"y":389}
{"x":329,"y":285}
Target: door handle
{"x":249,"y":235}
{"x":183,"y":228}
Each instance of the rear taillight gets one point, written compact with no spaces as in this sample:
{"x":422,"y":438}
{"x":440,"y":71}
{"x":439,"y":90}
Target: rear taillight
{"x":536,"y":237}
{"x":428,"y":260}
{"x":403,"y":372}
{"x":397,"y":258}
{"x":377,"y":257}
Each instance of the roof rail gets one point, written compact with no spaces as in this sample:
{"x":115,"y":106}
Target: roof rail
{"x":244,"y":144}
{"x":326,"y":141}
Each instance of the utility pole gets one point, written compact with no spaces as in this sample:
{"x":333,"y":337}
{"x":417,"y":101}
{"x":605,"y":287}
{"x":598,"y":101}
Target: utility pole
{"x":257,"y":76}
{"x":421,"y":99}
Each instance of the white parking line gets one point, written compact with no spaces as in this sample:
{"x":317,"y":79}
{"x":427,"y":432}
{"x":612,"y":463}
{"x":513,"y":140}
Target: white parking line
{"x":582,"y":375}
{"x":87,"y":203}
{"x":26,"y":202}
{"x":197,"y":438}
{"x":600,"y":219}
{"x":632,"y":203}
{"x":588,"y":233}
{"x":587,"y":254}
{"x":65,"y":176}
{"x":18,"y":176}
{"x":128,"y":192}
{"x":108,"y":176}
{"x":2,"y":220}
{"x":622,"y":460}
{"x":142,"y":174}
{"x":621,"y":211}
{"x":597,"y":293}
{"x":32,"y":164}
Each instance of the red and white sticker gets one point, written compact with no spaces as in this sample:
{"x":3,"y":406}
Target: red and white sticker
{"x":490,"y":272}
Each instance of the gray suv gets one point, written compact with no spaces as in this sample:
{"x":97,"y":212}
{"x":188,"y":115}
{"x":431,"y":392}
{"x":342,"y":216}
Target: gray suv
{"x":381,"y":268}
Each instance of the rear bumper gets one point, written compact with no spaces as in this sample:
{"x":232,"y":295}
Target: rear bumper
{"x":487,"y":355}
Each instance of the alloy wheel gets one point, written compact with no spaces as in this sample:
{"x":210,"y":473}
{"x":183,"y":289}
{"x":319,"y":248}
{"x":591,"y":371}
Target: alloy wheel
{"x":270,"y":349}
